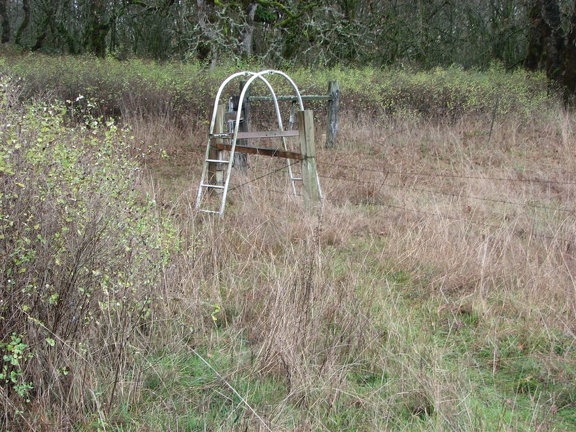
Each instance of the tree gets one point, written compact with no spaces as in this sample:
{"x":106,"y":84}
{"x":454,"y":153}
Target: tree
{"x":552,"y":48}
{"x":4,"y":21}
{"x":546,"y":43}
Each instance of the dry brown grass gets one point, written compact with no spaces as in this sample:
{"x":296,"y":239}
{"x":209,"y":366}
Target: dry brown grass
{"x":426,"y":228}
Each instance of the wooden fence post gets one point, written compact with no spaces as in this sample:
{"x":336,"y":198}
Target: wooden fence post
{"x":310,"y":182}
{"x":333,"y":106}
{"x":215,"y":171}
{"x":241,"y":159}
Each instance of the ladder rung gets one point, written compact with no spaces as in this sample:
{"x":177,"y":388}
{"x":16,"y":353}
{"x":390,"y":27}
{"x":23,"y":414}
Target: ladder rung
{"x":212,"y":186}
{"x":209,"y":211}
{"x":296,"y":178}
{"x":217,"y":161}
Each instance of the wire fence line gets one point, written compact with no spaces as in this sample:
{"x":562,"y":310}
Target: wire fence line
{"x":264,"y":175}
{"x":452,"y":194}
{"x":557,"y":237}
{"x":456,"y":176}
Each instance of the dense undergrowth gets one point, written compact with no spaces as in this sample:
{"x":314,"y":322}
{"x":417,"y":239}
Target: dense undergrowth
{"x":83,"y":254}
{"x":434,"y":291}
{"x":185,"y":92}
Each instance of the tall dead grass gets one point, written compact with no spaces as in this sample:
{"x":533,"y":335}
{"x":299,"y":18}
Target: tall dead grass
{"x":426,"y":227}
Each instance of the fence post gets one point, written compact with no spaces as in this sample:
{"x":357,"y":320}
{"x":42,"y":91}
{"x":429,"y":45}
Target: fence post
{"x":333,"y":106}
{"x":215,"y":171}
{"x":307,"y":148}
{"x":241,"y":159}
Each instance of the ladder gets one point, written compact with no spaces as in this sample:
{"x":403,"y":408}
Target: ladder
{"x":220,"y":151}
{"x":225,"y":139}
{"x":217,"y":168}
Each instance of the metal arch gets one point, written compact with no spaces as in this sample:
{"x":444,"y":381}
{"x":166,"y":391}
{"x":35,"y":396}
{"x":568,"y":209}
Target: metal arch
{"x":219,"y":94}
{"x":255,"y":76}
{"x":252,"y":77}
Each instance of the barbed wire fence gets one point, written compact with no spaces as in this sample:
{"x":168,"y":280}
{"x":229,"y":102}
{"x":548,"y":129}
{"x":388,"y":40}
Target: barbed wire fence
{"x":390,"y":179}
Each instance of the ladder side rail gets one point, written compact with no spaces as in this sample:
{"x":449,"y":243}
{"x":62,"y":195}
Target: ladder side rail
{"x":237,"y":127}
{"x":203,"y":177}
{"x":301,"y":104}
{"x":291,"y":125}
{"x":211,"y":132}
{"x":221,"y":90}
{"x":298,"y":98}
{"x":291,"y":122}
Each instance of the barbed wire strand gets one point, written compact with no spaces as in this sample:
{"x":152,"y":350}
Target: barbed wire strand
{"x":263,"y":175}
{"x":412,"y":174}
{"x":453,"y":194}
{"x":435,"y":215}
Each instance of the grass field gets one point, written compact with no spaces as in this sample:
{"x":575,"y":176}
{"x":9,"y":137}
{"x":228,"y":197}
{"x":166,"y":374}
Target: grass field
{"x":433,"y":290}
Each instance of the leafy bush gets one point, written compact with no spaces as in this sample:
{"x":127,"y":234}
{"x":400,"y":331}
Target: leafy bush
{"x":440,"y":93}
{"x":185,"y":91}
{"x":82,"y":254}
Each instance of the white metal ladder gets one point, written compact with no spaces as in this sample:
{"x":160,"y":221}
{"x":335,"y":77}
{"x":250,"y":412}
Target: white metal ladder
{"x":218,"y":182}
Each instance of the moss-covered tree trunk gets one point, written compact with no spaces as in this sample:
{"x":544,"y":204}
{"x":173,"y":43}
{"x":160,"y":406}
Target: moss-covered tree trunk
{"x":569,"y":65}
{"x":5,"y":22}
{"x":98,"y":28}
{"x":546,"y":39}
{"x":25,"y":22}
{"x":551,"y":48}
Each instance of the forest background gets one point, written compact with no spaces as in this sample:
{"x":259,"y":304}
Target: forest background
{"x":535,"y":34}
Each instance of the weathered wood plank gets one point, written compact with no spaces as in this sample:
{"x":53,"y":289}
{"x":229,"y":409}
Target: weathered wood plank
{"x":262,"y":151}
{"x":260,"y":134}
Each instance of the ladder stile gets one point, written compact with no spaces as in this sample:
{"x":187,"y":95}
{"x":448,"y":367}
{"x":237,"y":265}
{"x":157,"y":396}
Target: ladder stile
{"x":225,"y":132}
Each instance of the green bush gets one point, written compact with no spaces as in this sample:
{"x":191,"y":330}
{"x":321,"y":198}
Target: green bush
{"x":82,"y":252}
{"x":185,"y":91}
{"x":439,"y":93}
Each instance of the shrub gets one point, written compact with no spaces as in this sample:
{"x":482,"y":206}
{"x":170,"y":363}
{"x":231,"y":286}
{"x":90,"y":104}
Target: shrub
{"x":82,"y":254}
{"x":185,"y":92}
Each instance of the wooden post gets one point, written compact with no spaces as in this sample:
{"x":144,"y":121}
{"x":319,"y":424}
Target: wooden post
{"x":310,"y":181}
{"x":333,"y":106}
{"x":241,"y":159}
{"x":216,"y":170}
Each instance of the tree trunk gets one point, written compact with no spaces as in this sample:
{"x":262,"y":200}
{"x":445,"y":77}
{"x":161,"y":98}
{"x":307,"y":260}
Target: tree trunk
{"x":551,"y":49}
{"x":206,"y":49}
{"x":569,"y":65}
{"x":5,"y":38}
{"x":555,"y":43}
{"x":546,"y":40}
{"x":24,"y":23}
{"x":98,"y":28}
{"x":248,"y":32}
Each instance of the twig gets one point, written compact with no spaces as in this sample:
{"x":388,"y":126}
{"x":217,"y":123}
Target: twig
{"x":244,"y":401}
